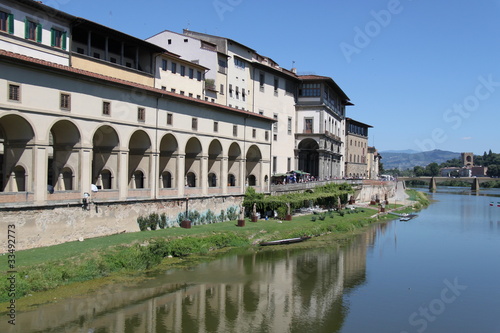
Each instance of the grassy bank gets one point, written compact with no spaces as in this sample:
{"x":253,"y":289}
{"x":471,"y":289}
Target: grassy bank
{"x":130,"y":253}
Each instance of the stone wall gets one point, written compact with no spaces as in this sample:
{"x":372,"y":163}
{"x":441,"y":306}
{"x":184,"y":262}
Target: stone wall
{"x":46,"y":226}
{"x":374,"y":190}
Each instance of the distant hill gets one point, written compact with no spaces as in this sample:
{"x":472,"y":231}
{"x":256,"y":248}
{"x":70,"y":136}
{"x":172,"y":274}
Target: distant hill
{"x":408,"y":159}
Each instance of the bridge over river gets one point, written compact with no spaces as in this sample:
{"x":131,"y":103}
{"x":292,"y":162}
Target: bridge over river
{"x":474,"y":181}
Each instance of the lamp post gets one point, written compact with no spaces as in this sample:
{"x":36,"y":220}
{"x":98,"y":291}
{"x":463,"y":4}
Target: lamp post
{"x":186,"y":223}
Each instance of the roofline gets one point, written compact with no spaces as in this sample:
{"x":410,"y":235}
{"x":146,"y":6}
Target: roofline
{"x":287,"y":73}
{"x":16,"y":57}
{"x":228,"y":39}
{"x":330,"y":80}
{"x":358,"y":122}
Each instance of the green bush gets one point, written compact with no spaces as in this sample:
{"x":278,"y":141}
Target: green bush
{"x":162,"y":223}
{"x":154,"y":220}
{"x":143,"y":223}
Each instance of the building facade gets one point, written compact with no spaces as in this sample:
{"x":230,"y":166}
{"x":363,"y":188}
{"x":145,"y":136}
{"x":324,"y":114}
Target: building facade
{"x":100,"y":121}
{"x":356,"y":164}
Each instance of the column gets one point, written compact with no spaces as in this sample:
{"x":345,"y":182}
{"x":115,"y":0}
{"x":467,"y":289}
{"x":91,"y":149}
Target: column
{"x":179,"y":177}
{"x":39,"y":173}
{"x":204,"y":175}
{"x":85,"y":170}
{"x":243,"y":176}
{"x":122,"y":176}
{"x":223,"y":174}
{"x":154,"y":180}
{"x":321,"y":161}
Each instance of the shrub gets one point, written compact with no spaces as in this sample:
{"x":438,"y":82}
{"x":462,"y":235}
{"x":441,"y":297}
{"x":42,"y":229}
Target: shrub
{"x":162,"y":223}
{"x":143,"y":223}
{"x":313,"y":218}
{"x":232,"y":213}
{"x":154,"y":220}
{"x":322,"y":217}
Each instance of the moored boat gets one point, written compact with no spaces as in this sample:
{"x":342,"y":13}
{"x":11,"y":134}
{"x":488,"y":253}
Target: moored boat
{"x":285,"y":241}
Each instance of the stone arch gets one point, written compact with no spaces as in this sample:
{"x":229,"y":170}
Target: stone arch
{"x":169,"y":148}
{"x":308,"y":156}
{"x":214,"y":163}
{"x":234,"y":159}
{"x":139,"y":160}
{"x":253,"y":164}
{"x":64,"y":139}
{"x":16,"y":138}
{"x":193,"y":161}
{"x":105,"y":155}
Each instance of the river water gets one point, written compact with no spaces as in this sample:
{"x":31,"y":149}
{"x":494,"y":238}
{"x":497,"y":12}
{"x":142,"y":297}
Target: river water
{"x":439,"y":272}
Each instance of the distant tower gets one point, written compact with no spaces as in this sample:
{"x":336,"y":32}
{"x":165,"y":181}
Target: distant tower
{"x":468,"y":159}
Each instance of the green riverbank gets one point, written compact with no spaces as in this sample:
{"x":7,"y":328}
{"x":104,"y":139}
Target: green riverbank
{"x":76,"y":268}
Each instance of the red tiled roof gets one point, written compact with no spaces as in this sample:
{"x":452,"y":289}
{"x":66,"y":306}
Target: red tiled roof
{"x":88,"y":74}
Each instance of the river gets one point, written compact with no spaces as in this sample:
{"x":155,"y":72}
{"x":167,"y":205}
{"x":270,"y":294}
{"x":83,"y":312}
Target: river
{"x":438,"y":272}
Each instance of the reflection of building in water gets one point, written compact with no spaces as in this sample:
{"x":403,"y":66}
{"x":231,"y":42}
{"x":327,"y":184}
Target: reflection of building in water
{"x":273,"y":291}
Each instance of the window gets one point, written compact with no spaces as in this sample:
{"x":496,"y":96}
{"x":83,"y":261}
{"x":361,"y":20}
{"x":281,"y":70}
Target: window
{"x":33,"y":31}
{"x":198,"y":75}
{"x":261,"y":81}
{"x":239,"y":63}
{"x":235,"y":130}
{"x":216,"y":126}
{"x":164,"y":64}
{"x":289,"y":163}
{"x":310,"y":90}
{"x":173,"y":67}
{"x":169,"y":118}
{"x":58,"y":39}
{"x":106,"y":108}
{"x":141,"y":114}
{"x":254,"y":133}
{"x":169,"y":41}
{"x":163,"y":88}
{"x":308,"y":125}
{"x":275,"y":124}
{"x":275,"y":137}
{"x":230,"y":90}
{"x":190,"y":95}
{"x":289,"y":125}
{"x":261,"y":112}
{"x":266,"y":135}
{"x":181,"y":92}
{"x":243,"y":94}
{"x":6,"y":22}
{"x":183,"y":70}
{"x":14,"y":92}
{"x":237,"y":92}
{"x":191,"y":73}
{"x":194,"y":124}
{"x":65,"y":102}
{"x":275,"y":164}
{"x":276,"y":85}
{"x":172,"y":90}
{"x":221,"y":91}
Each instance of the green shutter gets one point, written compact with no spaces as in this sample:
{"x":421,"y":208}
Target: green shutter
{"x":39,"y":33}
{"x":63,"y":43}
{"x":10,"y":18}
{"x":26,"y":28}
{"x":52,"y":37}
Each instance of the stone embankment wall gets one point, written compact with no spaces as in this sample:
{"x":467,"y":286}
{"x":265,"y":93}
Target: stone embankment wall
{"x":46,"y":226}
{"x":373,"y":190}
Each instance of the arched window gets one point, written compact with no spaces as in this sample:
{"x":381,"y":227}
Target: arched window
{"x":20,"y":175}
{"x":251,"y":180}
{"x":139,"y":179}
{"x":212,"y":180}
{"x":166,"y":179}
{"x":191,"y":179}
{"x":231,"y":180}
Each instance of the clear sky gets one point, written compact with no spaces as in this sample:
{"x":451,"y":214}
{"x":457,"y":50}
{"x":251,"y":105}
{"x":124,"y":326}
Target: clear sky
{"x":424,"y":73}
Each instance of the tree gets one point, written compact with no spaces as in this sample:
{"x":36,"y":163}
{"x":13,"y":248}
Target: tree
{"x":432,"y":169}
{"x":418,"y":171}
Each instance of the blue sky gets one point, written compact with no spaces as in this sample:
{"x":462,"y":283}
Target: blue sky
{"x":425,"y":74}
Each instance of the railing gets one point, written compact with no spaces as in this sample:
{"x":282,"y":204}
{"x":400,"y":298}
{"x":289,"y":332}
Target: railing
{"x":295,"y":187}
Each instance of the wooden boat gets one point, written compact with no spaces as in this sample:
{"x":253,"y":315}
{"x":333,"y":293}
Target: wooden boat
{"x":285,"y":241}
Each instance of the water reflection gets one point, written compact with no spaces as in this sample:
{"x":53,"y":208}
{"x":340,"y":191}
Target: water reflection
{"x":272,"y":290}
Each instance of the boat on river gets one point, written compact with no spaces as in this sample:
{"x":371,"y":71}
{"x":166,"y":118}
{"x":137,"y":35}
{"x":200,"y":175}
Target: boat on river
{"x":285,"y":241}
